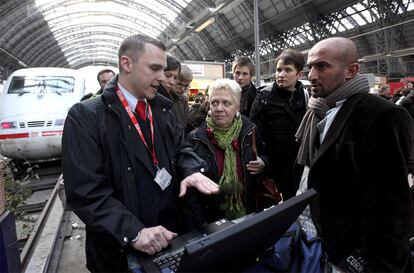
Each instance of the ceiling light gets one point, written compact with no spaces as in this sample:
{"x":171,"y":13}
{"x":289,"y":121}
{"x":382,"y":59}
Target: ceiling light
{"x":205,"y":24}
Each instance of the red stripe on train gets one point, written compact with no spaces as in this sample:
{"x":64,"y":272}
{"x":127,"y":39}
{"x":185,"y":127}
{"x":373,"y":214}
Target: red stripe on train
{"x":13,"y":136}
{"x":33,"y":134}
{"x":52,"y":133}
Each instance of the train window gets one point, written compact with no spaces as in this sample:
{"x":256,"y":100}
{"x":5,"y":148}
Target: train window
{"x":41,"y":84}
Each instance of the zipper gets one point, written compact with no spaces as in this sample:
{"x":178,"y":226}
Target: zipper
{"x":291,"y":100}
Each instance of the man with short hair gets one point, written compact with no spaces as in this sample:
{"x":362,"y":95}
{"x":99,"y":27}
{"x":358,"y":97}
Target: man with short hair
{"x":184,"y":79}
{"x":384,"y":91}
{"x":243,"y":71}
{"x":167,"y":89}
{"x":277,"y":113}
{"x":104,"y":76}
{"x":125,"y":162}
{"x":357,"y":147}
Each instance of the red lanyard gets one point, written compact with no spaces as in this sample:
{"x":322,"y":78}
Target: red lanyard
{"x":135,"y":122}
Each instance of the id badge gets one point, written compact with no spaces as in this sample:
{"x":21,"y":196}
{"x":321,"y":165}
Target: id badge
{"x":163,"y":178}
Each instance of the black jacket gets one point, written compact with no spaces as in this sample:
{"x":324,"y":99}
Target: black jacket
{"x":248,"y":95}
{"x":90,"y":95}
{"x":109,"y":175}
{"x":360,"y":173}
{"x":179,"y":105}
{"x":277,"y":114}
{"x":209,"y":209}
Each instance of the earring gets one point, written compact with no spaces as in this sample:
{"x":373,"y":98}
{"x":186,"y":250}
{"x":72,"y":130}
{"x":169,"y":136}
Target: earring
{"x":238,"y":115}
{"x":209,"y":113}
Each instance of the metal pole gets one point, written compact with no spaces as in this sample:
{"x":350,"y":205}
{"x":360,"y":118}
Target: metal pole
{"x":256,"y":40}
{"x":20,"y":62}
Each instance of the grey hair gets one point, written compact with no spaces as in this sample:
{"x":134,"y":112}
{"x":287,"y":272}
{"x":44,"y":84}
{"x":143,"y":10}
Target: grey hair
{"x":185,"y":74}
{"x":226,"y":84}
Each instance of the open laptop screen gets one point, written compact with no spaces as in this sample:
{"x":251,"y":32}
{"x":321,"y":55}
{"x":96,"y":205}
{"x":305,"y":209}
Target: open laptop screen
{"x":240,"y":244}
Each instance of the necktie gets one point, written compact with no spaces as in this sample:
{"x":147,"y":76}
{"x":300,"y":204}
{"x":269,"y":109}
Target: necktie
{"x":140,"y":110}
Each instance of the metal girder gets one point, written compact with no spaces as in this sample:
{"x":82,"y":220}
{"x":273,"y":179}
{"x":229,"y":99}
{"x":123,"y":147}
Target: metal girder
{"x":181,"y":54}
{"x":34,"y":42}
{"x":318,"y":23}
{"x":96,"y":61}
{"x":86,"y":50}
{"x":265,"y":29}
{"x":93,"y":54}
{"x":364,"y":43}
{"x":133,"y":4}
{"x":27,"y":24}
{"x":388,"y":40}
{"x":74,"y":37}
{"x":38,"y":56}
{"x":194,"y":51}
{"x":64,"y":31}
{"x":90,"y":43}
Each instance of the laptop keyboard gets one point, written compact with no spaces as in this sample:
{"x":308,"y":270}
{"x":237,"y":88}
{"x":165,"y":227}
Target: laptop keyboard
{"x":171,"y":260}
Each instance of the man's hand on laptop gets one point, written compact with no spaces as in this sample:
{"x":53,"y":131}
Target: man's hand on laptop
{"x":201,"y":182}
{"x":153,"y":239}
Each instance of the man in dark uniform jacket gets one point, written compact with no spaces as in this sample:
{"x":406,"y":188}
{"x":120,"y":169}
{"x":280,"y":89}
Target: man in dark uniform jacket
{"x":104,"y":76}
{"x":125,"y":162}
{"x":357,"y":146}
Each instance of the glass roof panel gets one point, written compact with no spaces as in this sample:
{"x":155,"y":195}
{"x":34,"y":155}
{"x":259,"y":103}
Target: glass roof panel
{"x":410,"y":4}
{"x":349,"y":10}
{"x":367,"y":15}
{"x":183,"y":3}
{"x":341,"y":28}
{"x":345,"y":22}
{"x":359,"y":7}
{"x":357,"y":17}
{"x":104,"y":19}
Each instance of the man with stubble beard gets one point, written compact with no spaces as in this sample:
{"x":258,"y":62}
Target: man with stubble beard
{"x":357,"y":148}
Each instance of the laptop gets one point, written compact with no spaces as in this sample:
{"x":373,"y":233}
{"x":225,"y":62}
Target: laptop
{"x":224,"y":245}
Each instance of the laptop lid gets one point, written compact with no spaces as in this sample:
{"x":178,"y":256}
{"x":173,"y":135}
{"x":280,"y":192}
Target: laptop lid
{"x":242,"y":243}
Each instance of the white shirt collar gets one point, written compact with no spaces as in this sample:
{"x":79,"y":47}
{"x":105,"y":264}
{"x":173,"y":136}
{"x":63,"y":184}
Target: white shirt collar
{"x":131,"y":99}
{"x":324,"y":125}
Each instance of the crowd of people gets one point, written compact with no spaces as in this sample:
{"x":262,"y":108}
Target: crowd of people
{"x":141,"y":166}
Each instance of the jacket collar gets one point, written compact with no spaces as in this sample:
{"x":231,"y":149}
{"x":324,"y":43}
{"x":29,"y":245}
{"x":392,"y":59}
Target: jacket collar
{"x":274,"y":88}
{"x":298,"y":86}
{"x":110,"y":98}
{"x":249,"y":87}
{"x":339,"y":123}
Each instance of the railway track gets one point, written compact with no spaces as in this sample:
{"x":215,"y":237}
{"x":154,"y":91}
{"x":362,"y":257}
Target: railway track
{"x":42,"y":229}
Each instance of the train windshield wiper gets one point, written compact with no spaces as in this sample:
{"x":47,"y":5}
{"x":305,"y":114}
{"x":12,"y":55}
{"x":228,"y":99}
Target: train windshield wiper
{"x":23,"y":92}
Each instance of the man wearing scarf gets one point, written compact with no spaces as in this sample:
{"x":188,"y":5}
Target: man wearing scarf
{"x":357,"y":148}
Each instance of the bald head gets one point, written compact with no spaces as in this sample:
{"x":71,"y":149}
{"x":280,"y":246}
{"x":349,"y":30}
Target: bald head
{"x":344,"y":49}
{"x":331,"y":63}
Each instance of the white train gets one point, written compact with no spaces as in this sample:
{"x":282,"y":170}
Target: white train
{"x":33,"y":108}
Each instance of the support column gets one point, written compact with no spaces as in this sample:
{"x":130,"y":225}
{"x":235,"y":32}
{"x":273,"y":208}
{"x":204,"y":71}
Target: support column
{"x":256,"y":40}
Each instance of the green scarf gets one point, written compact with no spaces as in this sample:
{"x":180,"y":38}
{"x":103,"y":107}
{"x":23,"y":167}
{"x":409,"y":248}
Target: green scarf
{"x":230,"y":186}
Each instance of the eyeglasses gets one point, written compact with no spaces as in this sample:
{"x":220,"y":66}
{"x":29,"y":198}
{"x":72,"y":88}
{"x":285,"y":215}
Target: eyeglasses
{"x":181,"y":85}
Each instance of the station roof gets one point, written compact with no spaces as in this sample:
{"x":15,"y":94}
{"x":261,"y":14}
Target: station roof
{"x":77,"y":33}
